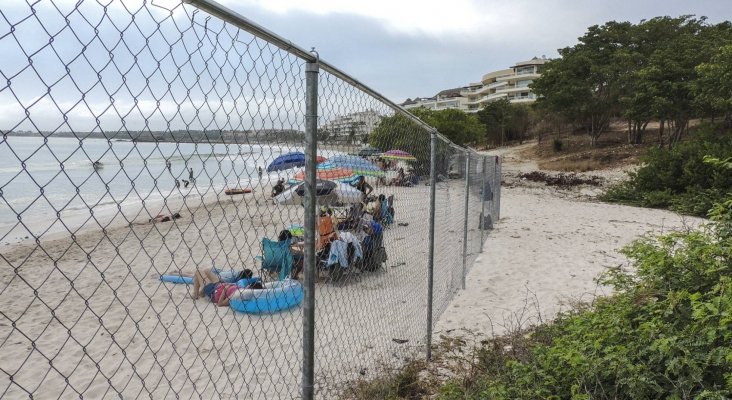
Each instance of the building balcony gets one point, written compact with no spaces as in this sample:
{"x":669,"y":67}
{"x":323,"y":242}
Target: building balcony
{"x":522,"y":100}
{"x":513,"y":89}
{"x":474,"y":91}
{"x":492,"y":97}
{"x":521,"y":77}
{"x":497,"y":84}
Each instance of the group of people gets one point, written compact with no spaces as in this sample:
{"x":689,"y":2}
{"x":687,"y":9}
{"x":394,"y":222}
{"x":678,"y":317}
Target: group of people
{"x":186,"y":182}
{"x":381,"y":208}
{"x":359,"y":235}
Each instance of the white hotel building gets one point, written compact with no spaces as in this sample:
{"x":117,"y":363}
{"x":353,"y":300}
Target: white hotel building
{"x":511,"y":84}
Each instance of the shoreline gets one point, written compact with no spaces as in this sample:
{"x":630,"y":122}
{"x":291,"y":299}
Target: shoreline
{"x":125,"y":316}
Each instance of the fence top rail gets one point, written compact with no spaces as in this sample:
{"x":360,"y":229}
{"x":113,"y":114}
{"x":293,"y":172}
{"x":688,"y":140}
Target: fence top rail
{"x":241,"y":22}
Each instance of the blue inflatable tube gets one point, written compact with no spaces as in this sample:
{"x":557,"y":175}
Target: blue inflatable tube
{"x":242,"y":283}
{"x":276,"y":296}
{"x":188,"y":280}
{"x":176,"y":279}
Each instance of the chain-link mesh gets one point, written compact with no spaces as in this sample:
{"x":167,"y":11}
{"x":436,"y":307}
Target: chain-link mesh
{"x":145,"y":144}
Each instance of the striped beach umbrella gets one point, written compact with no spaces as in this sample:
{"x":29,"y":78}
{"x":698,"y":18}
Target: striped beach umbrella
{"x":327,"y":170}
{"x":398,"y":155}
{"x":358,"y":165}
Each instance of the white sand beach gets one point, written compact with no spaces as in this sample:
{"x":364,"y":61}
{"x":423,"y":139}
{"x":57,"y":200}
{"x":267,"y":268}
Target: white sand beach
{"x":546,"y":251}
{"x":93,"y":310}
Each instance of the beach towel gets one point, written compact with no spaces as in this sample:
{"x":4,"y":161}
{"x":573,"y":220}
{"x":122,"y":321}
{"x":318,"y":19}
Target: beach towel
{"x":349,"y":237}
{"x":339,"y":253}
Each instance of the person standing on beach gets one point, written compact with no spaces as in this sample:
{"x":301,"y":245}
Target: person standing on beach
{"x":177,"y":183}
{"x":190,"y":176}
{"x":363,"y":187}
{"x":260,"y":170}
{"x":169,"y":166}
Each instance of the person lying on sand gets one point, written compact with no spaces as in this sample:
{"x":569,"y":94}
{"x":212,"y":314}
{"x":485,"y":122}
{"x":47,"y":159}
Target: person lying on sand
{"x":164,"y":218}
{"x":204,"y":276}
{"x":221,"y":292}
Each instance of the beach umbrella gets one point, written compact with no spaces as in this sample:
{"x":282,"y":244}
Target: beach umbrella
{"x":369,"y":151}
{"x":358,"y":165}
{"x":398,"y":155}
{"x":327,"y":192}
{"x":290,"y":160}
{"x":322,"y":188}
{"x":329,"y":171}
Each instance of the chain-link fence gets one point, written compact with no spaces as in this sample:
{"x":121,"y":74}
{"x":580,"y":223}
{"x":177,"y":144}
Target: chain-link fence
{"x":156,"y":158}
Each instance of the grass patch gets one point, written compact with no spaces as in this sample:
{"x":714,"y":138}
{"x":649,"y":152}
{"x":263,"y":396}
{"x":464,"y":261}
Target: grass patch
{"x":401,"y":384}
{"x":574,"y":165}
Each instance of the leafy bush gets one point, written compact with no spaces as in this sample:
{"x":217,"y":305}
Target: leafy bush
{"x":665,"y":333}
{"x":679,"y":179}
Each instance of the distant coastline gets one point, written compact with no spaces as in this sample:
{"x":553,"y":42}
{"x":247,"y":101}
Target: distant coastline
{"x":179,"y":136}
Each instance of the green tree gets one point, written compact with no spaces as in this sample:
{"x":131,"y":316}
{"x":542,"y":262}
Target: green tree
{"x":666,"y":81}
{"x":713,"y":87}
{"x":495,"y":116}
{"x":400,"y":132}
{"x":585,"y":85}
{"x":458,"y":126}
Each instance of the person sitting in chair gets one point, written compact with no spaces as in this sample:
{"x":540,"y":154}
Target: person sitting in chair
{"x":371,"y":244}
{"x":296,"y":249}
{"x":353,"y":218}
{"x":326,"y":229}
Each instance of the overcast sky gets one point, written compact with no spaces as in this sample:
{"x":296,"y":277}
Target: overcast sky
{"x":408,"y":48}
{"x":132,"y":66}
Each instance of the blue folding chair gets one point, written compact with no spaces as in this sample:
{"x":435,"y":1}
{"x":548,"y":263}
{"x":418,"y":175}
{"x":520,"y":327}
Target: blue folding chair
{"x":276,"y":257}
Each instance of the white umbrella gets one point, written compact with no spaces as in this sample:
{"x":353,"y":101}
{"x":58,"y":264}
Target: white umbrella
{"x":343,"y":193}
{"x":347,"y":194}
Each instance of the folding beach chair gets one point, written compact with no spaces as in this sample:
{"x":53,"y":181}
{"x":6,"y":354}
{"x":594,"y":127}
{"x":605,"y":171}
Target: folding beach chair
{"x":374,"y":255}
{"x":276,"y":258}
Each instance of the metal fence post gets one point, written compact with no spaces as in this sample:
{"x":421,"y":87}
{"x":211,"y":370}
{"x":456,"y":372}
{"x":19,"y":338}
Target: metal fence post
{"x":465,"y":224}
{"x":431,"y":260}
{"x":311,"y":149}
{"x":497,"y":189}
{"x":482,"y":205}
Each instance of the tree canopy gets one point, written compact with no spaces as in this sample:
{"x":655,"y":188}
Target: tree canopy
{"x":659,"y":69}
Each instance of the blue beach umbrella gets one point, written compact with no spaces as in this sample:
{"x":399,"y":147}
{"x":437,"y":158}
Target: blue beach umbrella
{"x":289,"y":160}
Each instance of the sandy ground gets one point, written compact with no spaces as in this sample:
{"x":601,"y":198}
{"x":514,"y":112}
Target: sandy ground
{"x":87,"y":315}
{"x":546,"y":251}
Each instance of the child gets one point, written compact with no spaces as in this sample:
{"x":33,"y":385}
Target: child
{"x":220,"y":293}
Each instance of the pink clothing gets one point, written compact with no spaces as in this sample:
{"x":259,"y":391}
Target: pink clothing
{"x":227,"y":288}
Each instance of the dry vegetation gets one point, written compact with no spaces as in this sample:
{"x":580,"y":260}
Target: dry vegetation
{"x":576,"y":155}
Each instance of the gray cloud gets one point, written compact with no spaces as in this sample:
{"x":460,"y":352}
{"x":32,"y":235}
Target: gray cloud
{"x":396,"y":63}
{"x":402,"y":65}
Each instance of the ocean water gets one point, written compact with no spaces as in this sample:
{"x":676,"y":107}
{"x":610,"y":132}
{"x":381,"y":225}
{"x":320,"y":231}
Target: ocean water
{"x":44,"y":182}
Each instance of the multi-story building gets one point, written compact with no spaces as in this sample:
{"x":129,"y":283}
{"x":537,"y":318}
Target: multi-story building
{"x":351,"y":127}
{"x":511,"y":84}
{"x":449,"y":98}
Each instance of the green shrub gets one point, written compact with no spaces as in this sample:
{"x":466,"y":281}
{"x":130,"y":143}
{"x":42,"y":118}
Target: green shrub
{"x":665,"y":333}
{"x":679,"y":179}
{"x":557,"y":145}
